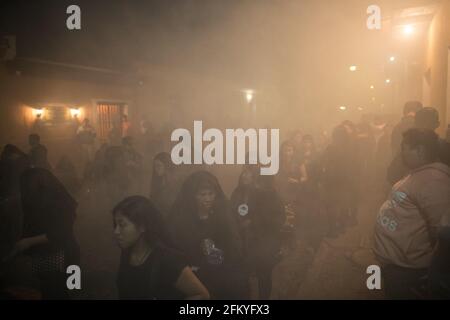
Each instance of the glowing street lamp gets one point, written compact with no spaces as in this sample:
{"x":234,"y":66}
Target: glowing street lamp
{"x":38,"y":112}
{"x":75,"y":112}
{"x":249,"y":96}
{"x":408,"y":29}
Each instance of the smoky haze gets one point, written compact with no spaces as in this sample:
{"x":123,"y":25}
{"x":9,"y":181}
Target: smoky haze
{"x":290,"y":52}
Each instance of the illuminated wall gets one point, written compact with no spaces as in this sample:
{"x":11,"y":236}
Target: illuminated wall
{"x":436,"y":67}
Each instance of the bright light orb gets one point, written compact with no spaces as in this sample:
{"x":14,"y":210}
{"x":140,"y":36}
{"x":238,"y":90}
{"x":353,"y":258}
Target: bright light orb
{"x":408,"y":29}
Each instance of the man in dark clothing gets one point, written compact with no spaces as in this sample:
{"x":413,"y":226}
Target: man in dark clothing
{"x":38,"y":153}
{"x":407,"y":122}
{"x":426,"y":118}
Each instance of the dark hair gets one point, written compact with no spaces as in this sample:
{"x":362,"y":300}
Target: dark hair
{"x":423,"y":137}
{"x":10,"y":150}
{"x":157,"y":181}
{"x":165,"y":158}
{"x":186,"y":199}
{"x":427,"y":118}
{"x":253,"y":168}
{"x":41,"y":190}
{"x":141,"y":211}
{"x":412,"y":106}
{"x":340,"y":134}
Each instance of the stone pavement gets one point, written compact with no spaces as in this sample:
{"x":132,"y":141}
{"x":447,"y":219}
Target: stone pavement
{"x":338,"y":269}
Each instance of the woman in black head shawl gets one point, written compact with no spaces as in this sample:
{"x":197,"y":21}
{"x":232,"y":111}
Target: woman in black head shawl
{"x":165,"y":183}
{"x":48,"y":237}
{"x":200,"y":225}
{"x":260,"y":214}
{"x":12,"y":163}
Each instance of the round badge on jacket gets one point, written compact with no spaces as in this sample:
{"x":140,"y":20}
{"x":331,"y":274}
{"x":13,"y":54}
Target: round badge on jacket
{"x":243,"y":210}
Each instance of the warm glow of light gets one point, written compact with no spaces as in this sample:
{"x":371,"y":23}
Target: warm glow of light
{"x":353,"y":68}
{"x":388,"y":81}
{"x":74,"y":112}
{"x":372,"y":87}
{"x":392,"y":59}
{"x":408,"y":29}
{"x":343,"y":108}
{"x":249,"y":95}
{"x":38,"y":112}
{"x":360,"y":108}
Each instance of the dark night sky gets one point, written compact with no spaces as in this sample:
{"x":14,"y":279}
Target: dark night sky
{"x":301,"y":46}
{"x":114,"y":33}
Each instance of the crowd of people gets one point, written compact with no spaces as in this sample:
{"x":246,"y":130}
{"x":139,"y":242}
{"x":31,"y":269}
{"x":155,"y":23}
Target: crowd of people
{"x":182,"y":237}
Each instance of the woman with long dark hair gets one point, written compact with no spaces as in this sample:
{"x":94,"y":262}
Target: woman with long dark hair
{"x":165,"y":184}
{"x":149,"y":267}
{"x":201,"y":226}
{"x":260,"y":214}
{"x":48,"y":217}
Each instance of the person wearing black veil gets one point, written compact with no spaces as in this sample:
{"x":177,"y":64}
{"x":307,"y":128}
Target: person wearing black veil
{"x":260,"y":214}
{"x":13,"y":162}
{"x":165,"y":183}
{"x":48,"y":237}
{"x":200,"y":225}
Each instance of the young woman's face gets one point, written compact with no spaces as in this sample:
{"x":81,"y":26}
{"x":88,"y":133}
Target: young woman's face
{"x":205,"y":198}
{"x":160,"y":169}
{"x":247,"y":178}
{"x":126,"y":232}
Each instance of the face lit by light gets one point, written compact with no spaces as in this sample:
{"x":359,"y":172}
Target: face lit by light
{"x":126,"y":233}
{"x":205,"y":198}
